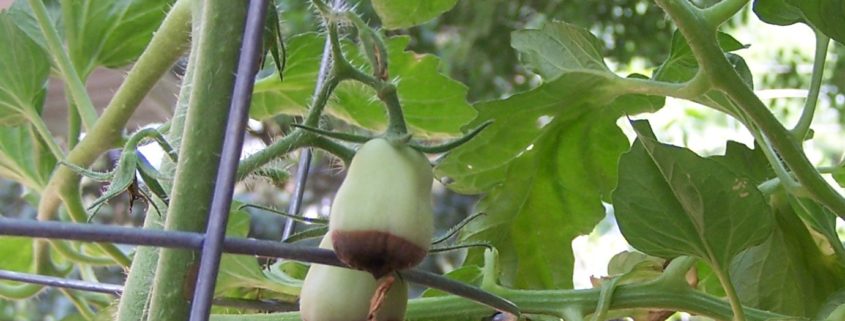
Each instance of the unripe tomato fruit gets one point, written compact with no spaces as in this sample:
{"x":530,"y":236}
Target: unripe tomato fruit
{"x":332,"y":293}
{"x":382,"y":218}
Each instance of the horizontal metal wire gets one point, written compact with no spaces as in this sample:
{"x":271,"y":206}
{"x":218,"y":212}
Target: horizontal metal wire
{"x":115,"y":289}
{"x":61,"y":282}
{"x":160,"y":238}
{"x":188,"y":240}
{"x":99,"y":233}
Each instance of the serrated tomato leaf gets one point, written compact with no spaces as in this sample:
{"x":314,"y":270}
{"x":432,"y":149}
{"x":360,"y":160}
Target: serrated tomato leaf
{"x":24,"y":69}
{"x":671,"y":202}
{"x":588,"y":87}
{"x":396,"y":14}
{"x":787,"y":273}
{"x":546,"y":164}
{"x":558,"y":48}
{"x":751,"y":163}
{"x":547,"y":161}
{"x":434,"y":104}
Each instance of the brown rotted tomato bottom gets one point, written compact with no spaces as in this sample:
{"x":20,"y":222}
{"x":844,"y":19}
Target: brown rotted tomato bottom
{"x":376,"y":252}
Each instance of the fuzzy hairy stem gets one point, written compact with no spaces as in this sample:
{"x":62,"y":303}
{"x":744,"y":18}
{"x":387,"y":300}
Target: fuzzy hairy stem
{"x":730,"y":292}
{"x":135,"y":299}
{"x":220,"y":33}
{"x":554,"y":302}
{"x":295,"y":139}
{"x":802,"y":128}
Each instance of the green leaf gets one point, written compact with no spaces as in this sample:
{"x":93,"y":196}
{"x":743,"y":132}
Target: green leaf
{"x":272,"y":96}
{"x":777,"y":12}
{"x":396,"y":14}
{"x":24,"y":158}
{"x":546,"y":163}
{"x":521,"y":120}
{"x":671,"y":202}
{"x":708,"y":280}
{"x":751,"y":163}
{"x":558,"y":48}
{"x":294,"y":269}
{"x":820,"y":220}
{"x":110,"y":33}
{"x":434,"y":105}
{"x":822,"y":224}
{"x":16,"y":253}
{"x":824,"y":15}
{"x":25,"y":19}
{"x":24,"y":69}
{"x":787,"y":273}
{"x":243,"y":271}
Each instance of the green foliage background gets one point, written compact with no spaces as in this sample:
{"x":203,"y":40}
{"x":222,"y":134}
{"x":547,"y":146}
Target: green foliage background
{"x":546,"y":73}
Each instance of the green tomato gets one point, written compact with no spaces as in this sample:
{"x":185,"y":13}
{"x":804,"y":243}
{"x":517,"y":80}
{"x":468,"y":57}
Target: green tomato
{"x":382,"y":217}
{"x":332,"y":293}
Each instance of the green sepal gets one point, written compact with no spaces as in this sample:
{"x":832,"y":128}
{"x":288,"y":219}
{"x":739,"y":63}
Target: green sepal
{"x":307,"y":234}
{"x":457,"y":228}
{"x":352,"y":138}
{"x":151,"y":178}
{"x":273,"y":40}
{"x":297,"y":218}
{"x":373,"y":46}
{"x":445,"y":147}
{"x":459,"y":246}
{"x":95,"y":175}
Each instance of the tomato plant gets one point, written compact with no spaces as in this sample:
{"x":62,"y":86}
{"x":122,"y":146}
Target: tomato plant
{"x":553,"y":123}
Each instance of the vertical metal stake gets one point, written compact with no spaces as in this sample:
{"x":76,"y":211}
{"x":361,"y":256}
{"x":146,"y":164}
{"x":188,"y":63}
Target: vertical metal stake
{"x":298,"y":191}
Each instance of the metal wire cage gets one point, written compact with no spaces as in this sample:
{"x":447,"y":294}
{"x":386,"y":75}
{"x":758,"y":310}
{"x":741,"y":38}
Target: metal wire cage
{"x":213,"y":242}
